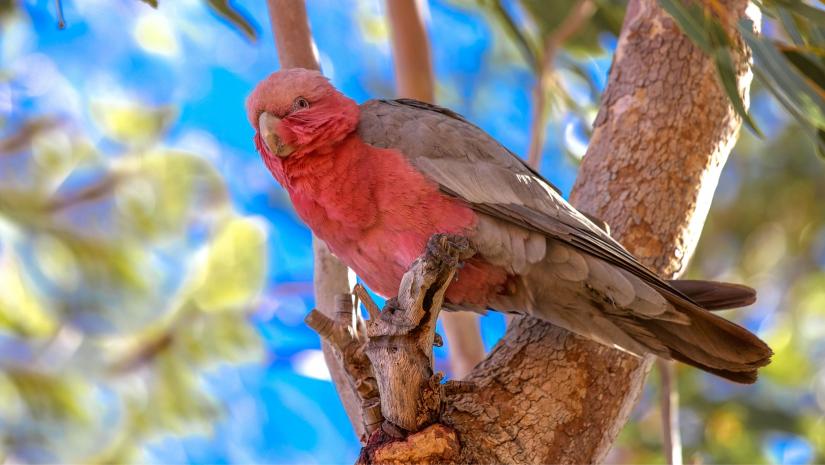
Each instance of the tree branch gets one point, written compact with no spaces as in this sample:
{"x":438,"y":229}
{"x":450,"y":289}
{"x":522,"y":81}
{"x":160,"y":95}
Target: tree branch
{"x":293,"y":40}
{"x":575,"y":19}
{"x":669,"y":405}
{"x":414,"y":76}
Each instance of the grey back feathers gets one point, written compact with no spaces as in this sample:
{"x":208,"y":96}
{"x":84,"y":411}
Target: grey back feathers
{"x":566,"y":269}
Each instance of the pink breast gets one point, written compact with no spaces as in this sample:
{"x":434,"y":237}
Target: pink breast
{"x":378,"y":221}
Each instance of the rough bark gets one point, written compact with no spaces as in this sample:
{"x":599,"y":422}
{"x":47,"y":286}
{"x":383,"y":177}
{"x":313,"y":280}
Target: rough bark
{"x":414,"y":78}
{"x":293,"y":41}
{"x":661,"y":137}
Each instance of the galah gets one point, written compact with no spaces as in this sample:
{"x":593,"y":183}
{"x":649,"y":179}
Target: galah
{"x":375,"y":181}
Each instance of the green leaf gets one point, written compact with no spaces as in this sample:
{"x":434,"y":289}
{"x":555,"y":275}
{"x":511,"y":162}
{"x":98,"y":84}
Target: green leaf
{"x":807,"y":101}
{"x":807,"y":64}
{"x":727,"y":77}
{"x":131,"y":124}
{"x":152,"y":3}
{"x":161,"y":192}
{"x":817,"y":15}
{"x":691,"y":21}
{"x":789,"y":23}
{"x":815,"y":134}
{"x":235,"y":16}
{"x":234,"y":270}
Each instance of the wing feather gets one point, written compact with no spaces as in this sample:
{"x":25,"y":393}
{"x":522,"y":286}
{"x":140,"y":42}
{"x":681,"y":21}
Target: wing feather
{"x":470,"y":165}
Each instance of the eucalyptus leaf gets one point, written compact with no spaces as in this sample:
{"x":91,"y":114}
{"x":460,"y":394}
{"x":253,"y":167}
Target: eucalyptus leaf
{"x":132,"y":124}
{"x":234,"y":267}
{"x":238,"y":18}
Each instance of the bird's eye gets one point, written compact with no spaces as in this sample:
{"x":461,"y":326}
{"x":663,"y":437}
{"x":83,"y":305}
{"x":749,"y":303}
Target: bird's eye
{"x":300,"y":103}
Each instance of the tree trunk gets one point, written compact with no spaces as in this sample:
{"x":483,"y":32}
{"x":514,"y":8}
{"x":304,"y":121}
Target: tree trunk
{"x":293,"y":40}
{"x":660,"y":140}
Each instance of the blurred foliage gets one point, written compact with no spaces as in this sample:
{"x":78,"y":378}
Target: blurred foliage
{"x":125,"y":275}
{"x":237,"y":18}
{"x":790,"y":54}
{"x":241,"y":21}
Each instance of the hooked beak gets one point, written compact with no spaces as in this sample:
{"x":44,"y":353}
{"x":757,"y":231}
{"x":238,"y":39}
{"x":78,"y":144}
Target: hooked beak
{"x":268,"y":124}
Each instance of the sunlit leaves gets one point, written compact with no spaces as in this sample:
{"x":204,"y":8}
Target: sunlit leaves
{"x":141,"y":255}
{"x":45,"y":397}
{"x":159,"y":192}
{"x":233,"y":272}
{"x":154,"y":33}
{"x":131,"y":124}
{"x":22,"y":311}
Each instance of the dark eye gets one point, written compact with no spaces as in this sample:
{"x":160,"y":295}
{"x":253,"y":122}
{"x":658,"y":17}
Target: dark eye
{"x":300,"y":103}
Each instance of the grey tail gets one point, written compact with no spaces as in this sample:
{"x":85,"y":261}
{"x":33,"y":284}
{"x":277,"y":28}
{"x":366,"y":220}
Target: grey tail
{"x":710,"y":342}
{"x":712,"y":295}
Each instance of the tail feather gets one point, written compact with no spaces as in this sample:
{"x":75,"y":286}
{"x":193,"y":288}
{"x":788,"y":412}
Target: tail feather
{"x":712,"y":295}
{"x":712,"y":343}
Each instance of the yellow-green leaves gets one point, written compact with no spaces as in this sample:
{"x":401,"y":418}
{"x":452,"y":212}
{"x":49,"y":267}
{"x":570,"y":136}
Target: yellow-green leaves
{"x":233,"y":271}
{"x":137,"y":252}
{"x":22,"y":311}
{"x":160,"y":192}
{"x":131,"y":124}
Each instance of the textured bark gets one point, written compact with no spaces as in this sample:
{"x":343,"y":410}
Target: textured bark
{"x":661,"y":137}
{"x":414,"y":76}
{"x":293,"y":40}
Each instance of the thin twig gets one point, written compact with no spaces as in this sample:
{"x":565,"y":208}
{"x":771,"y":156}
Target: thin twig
{"x":23,"y":136}
{"x":580,"y":12}
{"x":87,"y":194}
{"x":671,"y":439}
{"x":61,"y":23}
{"x":531,"y":56}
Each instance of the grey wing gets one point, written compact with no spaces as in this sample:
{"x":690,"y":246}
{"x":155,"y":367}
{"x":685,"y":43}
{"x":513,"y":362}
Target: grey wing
{"x":470,"y":165}
{"x":567,"y":261}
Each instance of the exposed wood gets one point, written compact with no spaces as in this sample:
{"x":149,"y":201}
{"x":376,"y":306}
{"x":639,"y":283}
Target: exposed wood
{"x":290,"y":27}
{"x":411,"y":50}
{"x":434,"y":444}
{"x":415,"y":79}
{"x":293,"y":40}
{"x":401,"y":336}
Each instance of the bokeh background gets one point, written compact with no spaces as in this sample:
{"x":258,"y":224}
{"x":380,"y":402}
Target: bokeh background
{"x":154,"y":278}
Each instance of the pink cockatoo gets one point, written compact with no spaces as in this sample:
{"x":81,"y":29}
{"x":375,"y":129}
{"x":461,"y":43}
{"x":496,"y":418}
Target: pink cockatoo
{"x":375,"y":181}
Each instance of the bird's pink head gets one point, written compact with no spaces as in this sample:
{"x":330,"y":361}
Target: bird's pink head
{"x":296,"y":112}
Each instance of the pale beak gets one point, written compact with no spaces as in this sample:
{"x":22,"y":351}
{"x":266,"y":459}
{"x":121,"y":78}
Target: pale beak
{"x":268,"y":124}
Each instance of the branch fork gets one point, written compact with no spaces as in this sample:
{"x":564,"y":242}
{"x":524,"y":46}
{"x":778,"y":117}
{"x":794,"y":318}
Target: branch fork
{"x":389,"y":359}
